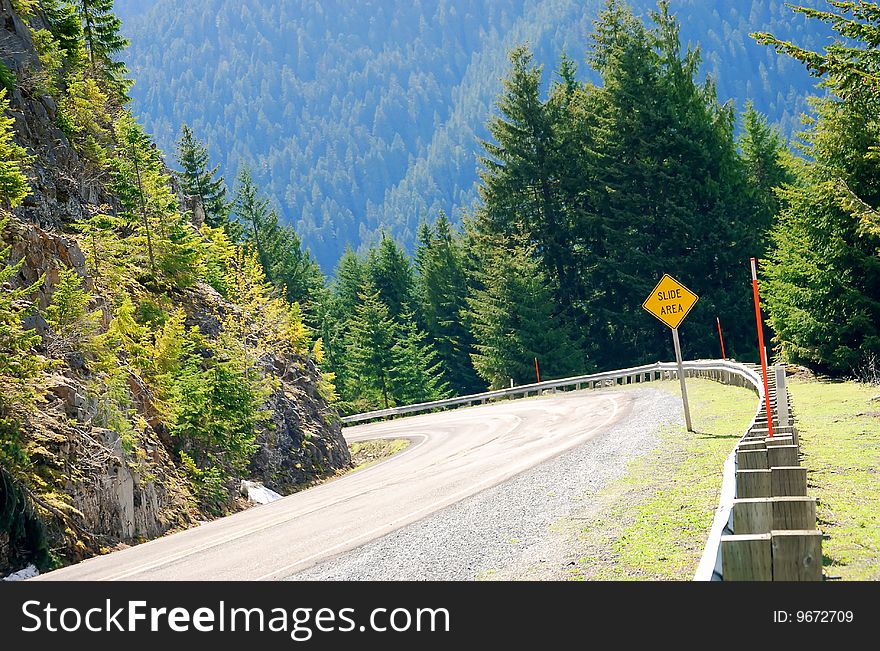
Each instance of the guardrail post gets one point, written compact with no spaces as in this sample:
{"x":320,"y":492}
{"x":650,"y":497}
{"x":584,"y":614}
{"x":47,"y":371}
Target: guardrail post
{"x":754,"y":483}
{"x":797,"y":555}
{"x":788,"y":481}
{"x":782,"y":455}
{"x":747,"y":557}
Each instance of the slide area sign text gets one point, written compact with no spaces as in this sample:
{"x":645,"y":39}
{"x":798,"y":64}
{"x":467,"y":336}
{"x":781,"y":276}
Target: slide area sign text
{"x":670,"y":301}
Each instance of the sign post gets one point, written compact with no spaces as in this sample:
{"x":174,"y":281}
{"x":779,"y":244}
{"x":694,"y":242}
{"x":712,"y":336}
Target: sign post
{"x":684,"y":391}
{"x":670,"y":302}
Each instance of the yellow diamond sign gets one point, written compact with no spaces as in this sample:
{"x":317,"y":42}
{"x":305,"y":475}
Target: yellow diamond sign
{"x":670,"y":301}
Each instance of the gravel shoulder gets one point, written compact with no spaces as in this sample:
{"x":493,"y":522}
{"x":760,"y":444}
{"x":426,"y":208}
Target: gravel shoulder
{"x":511,"y":531}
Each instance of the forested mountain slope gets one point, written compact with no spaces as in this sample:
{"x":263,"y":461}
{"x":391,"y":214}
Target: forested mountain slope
{"x":363,"y":116}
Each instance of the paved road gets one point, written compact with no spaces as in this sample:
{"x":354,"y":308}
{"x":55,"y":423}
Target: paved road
{"x":453,"y":455}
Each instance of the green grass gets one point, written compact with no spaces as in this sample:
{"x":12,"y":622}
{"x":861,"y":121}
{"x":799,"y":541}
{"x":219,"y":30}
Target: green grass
{"x":653,"y":523}
{"x":368,"y":453}
{"x":839,"y":426}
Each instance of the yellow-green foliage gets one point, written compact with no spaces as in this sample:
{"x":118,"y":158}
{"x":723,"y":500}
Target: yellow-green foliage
{"x":72,"y":327}
{"x":24,"y":8}
{"x":84,"y":114}
{"x":13,"y":157}
{"x":265,"y":322}
{"x":218,"y":257}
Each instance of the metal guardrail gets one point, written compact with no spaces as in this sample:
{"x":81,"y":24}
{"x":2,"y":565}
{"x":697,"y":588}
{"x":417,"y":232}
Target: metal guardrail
{"x":724,"y":371}
{"x":636,"y":374}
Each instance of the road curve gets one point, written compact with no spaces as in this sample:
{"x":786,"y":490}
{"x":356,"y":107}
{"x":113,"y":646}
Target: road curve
{"x":453,"y":455}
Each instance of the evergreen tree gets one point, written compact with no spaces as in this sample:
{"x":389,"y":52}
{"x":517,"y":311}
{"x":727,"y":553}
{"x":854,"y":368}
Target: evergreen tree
{"x":668,"y":193}
{"x":294,"y":269}
{"x":216,"y":410}
{"x":417,"y":375}
{"x":514,"y":319}
{"x":336,"y":307}
{"x":197,"y":180}
{"x":764,"y":153}
{"x":442,"y":289}
{"x":849,"y":68}
{"x":71,"y":325}
{"x":823,"y":285}
{"x":371,"y":336}
{"x":524,"y":173}
{"x":253,"y":212}
{"x":13,"y":182}
{"x":173,"y":248}
{"x":103,"y":42}
{"x":285,"y":262}
{"x":391,"y":273}
{"x":19,"y":363}
{"x":65,"y":26}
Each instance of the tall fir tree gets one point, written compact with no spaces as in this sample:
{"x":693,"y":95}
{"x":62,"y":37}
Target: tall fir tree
{"x":417,"y":375}
{"x":442,"y":290}
{"x":201,"y":182}
{"x":391,"y":273}
{"x":514,"y":319}
{"x":104,"y":42}
{"x":370,"y":338}
{"x":823,"y":287}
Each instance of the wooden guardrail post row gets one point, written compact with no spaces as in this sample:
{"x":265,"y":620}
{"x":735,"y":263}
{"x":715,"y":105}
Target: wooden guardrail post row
{"x":772,"y":516}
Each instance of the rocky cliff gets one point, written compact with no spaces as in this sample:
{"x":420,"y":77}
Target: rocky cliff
{"x":91,"y":489}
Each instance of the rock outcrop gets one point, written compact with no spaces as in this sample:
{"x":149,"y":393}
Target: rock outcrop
{"x":111,"y":493}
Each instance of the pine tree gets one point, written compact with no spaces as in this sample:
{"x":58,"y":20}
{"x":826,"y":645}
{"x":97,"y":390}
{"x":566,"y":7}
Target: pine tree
{"x":71,"y":326}
{"x":19,"y":363}
{"x":764,"y":154}
{"x":172,"y":245}
{"x":416,"y":375}
{"x":442,"y":289}
{"x":13,"y":157}
{"x":514,"y":319}
{"x":371,"y":335}
{"x":65,"y":26}
{"x":253,"y":212}
{"x":286,"y":263}
{"x":523,"y":185}
{"x":848,"y":68}
{"x":100,"y":29}
{"x":391,"y":273}
{"x":823,"y":285}
{"x":197,"y":180}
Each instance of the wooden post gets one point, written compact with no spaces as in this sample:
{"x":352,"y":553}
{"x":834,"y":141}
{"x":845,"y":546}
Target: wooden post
{"x":746,"y":558}
{"x":782,"y":455}
{"x":797,"y":555}
{"x":794,"y":513}
{"x":684,"y":393}
{"x":752,"y":460}
{"x":788,"y":481}
{"x":753,"y":515}
{"x":753,"y":483}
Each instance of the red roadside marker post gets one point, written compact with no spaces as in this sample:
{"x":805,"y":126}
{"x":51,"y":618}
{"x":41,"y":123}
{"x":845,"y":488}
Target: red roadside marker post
{"x":720,"y":337}
{"x":537,"y":371}
{"x":761,"y":348}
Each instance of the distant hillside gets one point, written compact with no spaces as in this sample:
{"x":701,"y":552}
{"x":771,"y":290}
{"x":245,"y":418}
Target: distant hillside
{"x":361,"y":116}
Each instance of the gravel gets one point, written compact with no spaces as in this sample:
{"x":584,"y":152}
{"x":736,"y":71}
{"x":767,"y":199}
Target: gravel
{"x":505,"y":531}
